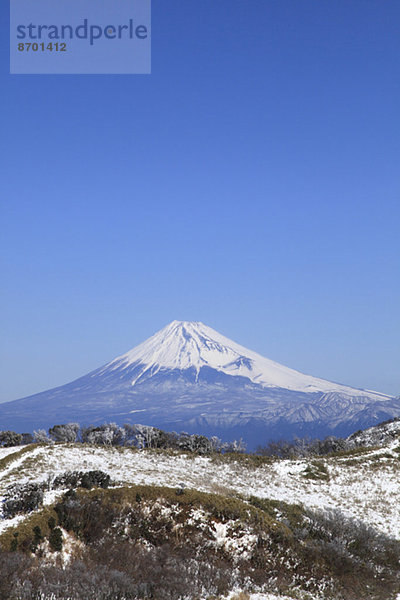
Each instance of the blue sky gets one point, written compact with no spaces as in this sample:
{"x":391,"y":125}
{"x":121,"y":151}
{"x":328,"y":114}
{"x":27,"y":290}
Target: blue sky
{"x":251,"y":182}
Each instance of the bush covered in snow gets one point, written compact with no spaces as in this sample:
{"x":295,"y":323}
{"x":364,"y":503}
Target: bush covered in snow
{"x":11,"y":438}
{"x":88,"y":480}
{"x":21,"y":499}
{"x":64,"y":433}
{"x":136,"y":436}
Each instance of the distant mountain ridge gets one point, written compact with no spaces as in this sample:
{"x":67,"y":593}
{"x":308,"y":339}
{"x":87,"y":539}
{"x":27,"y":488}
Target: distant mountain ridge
{"x":190,"y":377}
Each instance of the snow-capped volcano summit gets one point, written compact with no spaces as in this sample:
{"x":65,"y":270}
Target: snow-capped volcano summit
{"x":189,"y":377}
{"x":185,"y":345}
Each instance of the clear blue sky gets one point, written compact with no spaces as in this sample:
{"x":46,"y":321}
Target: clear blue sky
{"x":251,"y":182}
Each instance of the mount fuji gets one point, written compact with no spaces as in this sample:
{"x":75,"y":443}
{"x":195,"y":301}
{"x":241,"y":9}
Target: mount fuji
{"x":188,"y":377}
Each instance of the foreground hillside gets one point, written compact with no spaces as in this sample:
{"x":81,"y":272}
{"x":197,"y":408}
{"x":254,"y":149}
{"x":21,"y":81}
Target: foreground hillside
{"x":200,"y":526}
{"x":362,"y":483}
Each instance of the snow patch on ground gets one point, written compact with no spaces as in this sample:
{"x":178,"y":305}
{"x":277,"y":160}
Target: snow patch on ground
{"x":236,"y":595}
{"x":6,"y":451}
{"x":238,"y":542}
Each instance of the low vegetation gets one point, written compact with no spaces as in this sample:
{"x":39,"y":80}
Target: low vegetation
{"x":163,"y":543}
{"x":316,"y":470}
{"x":134,"y":436}
{"x":142,"y":436}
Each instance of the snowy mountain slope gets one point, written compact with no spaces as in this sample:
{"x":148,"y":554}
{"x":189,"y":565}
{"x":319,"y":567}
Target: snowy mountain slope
{"x":183,"y":345}
{"x":189,"y":377}
{"x":378,"y":435}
